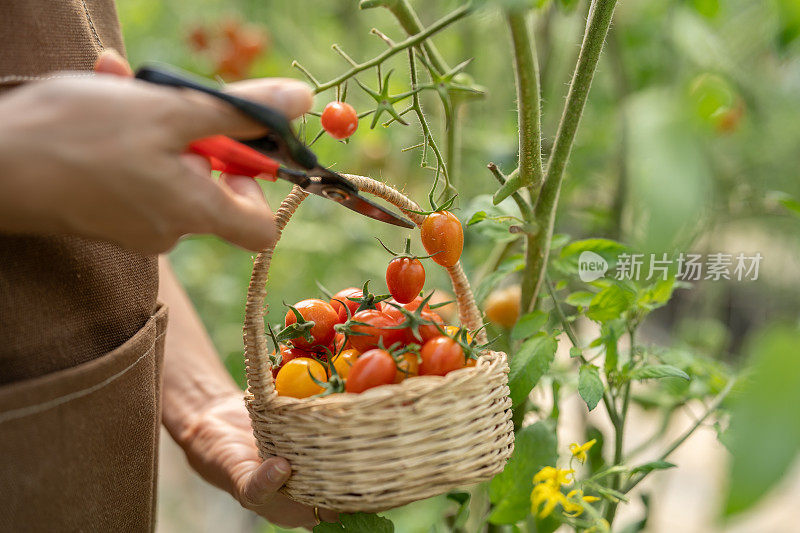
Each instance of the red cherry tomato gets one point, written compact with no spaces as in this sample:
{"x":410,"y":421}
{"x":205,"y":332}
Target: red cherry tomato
{"x":371,"y":369}
{"x":429,"y":331}
{"x":443,"y":236}
{"x":405,"y":278}
{"x":339,"y":119}
{"x":287,"y":354}
{"x":342,"y":296}
{"x":441,"y":355}
{"x":377,"y":329}
{"x":324,"y":318}
{"x":411,"y":306}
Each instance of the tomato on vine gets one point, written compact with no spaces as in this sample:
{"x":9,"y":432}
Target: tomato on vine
{"x":339,"y":119}
{"x":407,"y":366}
{"x":441,"y":355}
{"x":294,"y":378}
{"x":321,"y":332}
{"x":405,"y":275}
{"x":372,"y":369}
{"x":443,"y":237}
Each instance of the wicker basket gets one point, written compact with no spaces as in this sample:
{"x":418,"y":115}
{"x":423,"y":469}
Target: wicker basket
{"x":390,"y":445}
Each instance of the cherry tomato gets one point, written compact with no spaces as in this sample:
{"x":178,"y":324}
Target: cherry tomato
{"x":342,"y":296}
{"x":338,"y":344}
{"x":441,"y":355}
{"x":287,"y":354}
{"x":502,"y":306}
{"x":324,"y":318}
{"x":443,"y":236}
{"x":407,"y":367}
{"x":339,"y":119}
{"x":198,"y":38}
{"x":405,"y":278}
{"x":453,"y":331}
{"x":344,"y":362}
{"x":429,"y":331}
{"x":377,"y":328}
{"x":373,"y":368}
{"x":395,"y":313}
{"x":294,"y":379}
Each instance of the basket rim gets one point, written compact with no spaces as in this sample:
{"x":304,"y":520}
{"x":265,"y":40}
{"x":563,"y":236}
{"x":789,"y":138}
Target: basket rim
{"x":488,"y":362}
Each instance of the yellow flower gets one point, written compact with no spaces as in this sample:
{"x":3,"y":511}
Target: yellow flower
{"x":573,"y":504}
{"x":579,"y":450}
{"x":556,"y":476}
{"x":546,"y":493}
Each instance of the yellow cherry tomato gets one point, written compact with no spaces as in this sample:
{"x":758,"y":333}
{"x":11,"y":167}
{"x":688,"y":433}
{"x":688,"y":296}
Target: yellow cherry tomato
{"x":344,"y":361}
{"x":294,"y":379}
{"x":407,"y":367}
{"x":452,"y":331}
{"x":502,"y":306}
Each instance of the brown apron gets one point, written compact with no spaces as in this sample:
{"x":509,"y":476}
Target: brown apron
{"x":81,"y":333}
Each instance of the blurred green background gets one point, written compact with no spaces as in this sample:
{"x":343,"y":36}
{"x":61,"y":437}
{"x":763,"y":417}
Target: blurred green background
{"x":691,"y":139}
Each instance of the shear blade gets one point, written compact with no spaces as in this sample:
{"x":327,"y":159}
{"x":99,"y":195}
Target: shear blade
{"x":359,"y":204}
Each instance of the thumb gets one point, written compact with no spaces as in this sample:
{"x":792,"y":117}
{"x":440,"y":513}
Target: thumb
{"x":262,"y":483}
{"x":110,"y":62}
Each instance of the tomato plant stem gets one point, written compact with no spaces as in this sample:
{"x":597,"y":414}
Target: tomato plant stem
{"x":410,"y":22}
{"x":414,"y":40}
{"x":538,"y":244}
{"x":526,"y":72}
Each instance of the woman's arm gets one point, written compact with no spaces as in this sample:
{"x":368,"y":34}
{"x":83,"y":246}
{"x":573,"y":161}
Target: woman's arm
{"x":204,"y":411}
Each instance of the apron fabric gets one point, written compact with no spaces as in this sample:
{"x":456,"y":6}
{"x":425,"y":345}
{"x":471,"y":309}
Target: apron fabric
{"x":81,"y":332}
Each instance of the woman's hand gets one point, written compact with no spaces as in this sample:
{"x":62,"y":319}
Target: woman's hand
{"x":104,"y":157}
{"x":219,"y":445}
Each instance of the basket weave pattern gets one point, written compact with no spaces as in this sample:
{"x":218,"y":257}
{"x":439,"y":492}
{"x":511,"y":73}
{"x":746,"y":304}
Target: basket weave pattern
{"x":390,"y":445}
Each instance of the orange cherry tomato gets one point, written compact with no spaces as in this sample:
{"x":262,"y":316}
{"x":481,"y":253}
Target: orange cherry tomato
{"x":443,"y":237}
{"x":324,"y":318}
{"x":344,"y":362}
{"x":405,"y":278}
{"x":373,"y":368}
{"x":407,"y":367}
{"x":294,"y":379}
{"x":440,"y":355}
{"x":339,"y":119}
{"x":342,"y":297}
{"x":502,"y":306}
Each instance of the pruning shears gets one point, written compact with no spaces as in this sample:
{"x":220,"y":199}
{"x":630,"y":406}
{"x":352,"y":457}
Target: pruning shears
{"x":278,"y":154}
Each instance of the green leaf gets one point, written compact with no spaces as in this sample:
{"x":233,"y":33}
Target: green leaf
{"x":590,"y":386}
{"x":510,"y":491}
{"x":658,"y":371}
{"x":652,"y":465}
{"x":607,"y":249}
{"x":610,"y":303}
{"x":528,"y":366}
{"x":580,"y":299}
{"x":356,"y":523}
{"x":574,"y":351}
{"x":764,"y":434}
{"x":528,"y":325}
{"x":477,"y":217}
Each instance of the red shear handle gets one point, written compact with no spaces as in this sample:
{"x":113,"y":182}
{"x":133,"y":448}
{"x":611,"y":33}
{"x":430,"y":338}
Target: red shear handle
{"x":227,"y":155}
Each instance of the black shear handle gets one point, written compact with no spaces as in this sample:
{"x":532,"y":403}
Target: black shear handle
{"x":280,"y":143}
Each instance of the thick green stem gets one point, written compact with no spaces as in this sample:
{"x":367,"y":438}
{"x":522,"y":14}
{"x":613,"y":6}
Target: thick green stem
{"x":545,"y":210}
{"x":410,"y":22}
{"x":414,"y":40}
{"x":526,"y":72}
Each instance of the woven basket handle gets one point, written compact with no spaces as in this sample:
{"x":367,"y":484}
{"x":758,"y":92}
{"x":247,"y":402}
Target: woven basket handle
{"x":259,"y":374}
